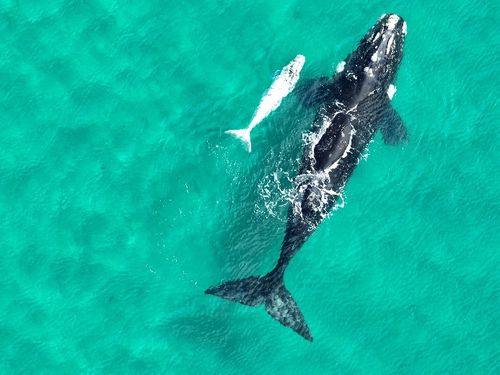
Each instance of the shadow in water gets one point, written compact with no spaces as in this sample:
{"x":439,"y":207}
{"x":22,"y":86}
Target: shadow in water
{"x":252,"y":225}
{"x":206,"y":330}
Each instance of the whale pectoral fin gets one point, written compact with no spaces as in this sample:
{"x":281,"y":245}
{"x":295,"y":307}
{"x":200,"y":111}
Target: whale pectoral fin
{"x":313,"y":92}
{"x":393,"y":128}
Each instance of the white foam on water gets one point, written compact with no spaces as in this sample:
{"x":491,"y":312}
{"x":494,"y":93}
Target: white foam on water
{"x":366,"y":152}
{"x":275,"y":190}
{"x":320,"y":181}
{"x":391,"y":91}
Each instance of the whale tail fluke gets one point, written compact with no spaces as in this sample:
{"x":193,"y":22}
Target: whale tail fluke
{"x":243,"y":135}
{"x":270,"y":291}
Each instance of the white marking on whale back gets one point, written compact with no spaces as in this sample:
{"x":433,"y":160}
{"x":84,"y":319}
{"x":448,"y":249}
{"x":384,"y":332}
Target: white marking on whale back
{"x":283,"y":84}
{"x":376,"y":37}
{"x":340,"y":67}
{"x":368,"y":71}
{"x":389,"y":44}
{"x":391,"y":90}
{"x":404,"y":27}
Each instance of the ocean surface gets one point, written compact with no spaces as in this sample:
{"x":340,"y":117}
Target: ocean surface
{"x":122,"y":199}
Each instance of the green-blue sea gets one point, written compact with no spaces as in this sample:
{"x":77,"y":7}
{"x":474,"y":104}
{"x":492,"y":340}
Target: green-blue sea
{"x":122,"y":199}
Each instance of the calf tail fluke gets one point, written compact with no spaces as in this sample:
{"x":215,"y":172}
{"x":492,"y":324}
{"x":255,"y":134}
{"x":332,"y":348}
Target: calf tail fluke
{"x":243,"y":135}
{"x":269,"y":291}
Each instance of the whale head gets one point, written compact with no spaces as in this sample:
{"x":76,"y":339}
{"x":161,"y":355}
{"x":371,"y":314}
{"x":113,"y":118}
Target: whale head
{"x":380,"y":51}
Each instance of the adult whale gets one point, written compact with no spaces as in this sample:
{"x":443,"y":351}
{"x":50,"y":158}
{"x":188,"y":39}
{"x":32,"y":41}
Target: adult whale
{"x":352,"y":106}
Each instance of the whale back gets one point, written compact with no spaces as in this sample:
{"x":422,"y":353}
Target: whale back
{"x":334,"y":142}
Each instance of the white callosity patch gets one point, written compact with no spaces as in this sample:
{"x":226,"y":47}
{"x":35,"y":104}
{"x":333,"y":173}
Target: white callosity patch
{"x":340,"y":67}
{"x":368,"y":71}
{"x":375,"y":56}
{"x":351,"y":76}
{"x":392,"y":21}
{"x":391,"y":90}
{"x":404,"y":28}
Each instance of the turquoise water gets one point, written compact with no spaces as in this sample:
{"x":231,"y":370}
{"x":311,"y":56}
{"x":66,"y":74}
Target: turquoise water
{"x":122,"y":199}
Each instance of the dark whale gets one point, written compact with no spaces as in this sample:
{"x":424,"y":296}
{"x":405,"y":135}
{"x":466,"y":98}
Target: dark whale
{"x":352,"y":106}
